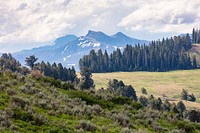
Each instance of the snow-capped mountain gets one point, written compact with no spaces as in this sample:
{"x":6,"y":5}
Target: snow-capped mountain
{"x":69,"y":49}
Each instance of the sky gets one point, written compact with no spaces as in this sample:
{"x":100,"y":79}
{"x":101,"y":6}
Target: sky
{"x":25,"y":24}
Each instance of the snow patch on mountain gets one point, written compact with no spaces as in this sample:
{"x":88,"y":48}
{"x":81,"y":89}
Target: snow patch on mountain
{"x":96,"y":44}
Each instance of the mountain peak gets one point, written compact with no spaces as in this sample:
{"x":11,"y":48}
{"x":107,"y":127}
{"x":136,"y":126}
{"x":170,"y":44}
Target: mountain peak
{"x":120,"y":34}
{"x":95,"y":33}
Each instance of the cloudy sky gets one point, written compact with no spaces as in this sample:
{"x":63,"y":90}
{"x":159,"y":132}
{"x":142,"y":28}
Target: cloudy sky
{"x":25,"y":24}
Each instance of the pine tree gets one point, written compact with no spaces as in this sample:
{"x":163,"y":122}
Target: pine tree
{"x":181,"y":107}
{"x":30,"y":61}
{"x":86,"y":79}
{"x":184,"y":94}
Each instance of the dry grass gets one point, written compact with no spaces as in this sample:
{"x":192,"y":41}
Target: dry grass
{"x":156,"y":83}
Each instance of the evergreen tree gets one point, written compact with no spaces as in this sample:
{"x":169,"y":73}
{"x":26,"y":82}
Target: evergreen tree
{"x":143,"y":100}
{"x":184,"y":94}
{"x":86,"y":79}
{"x":30,"y":61}
{"x":57,"y":71}
{"x":7,"y":62}
{"x":144,"y":91}
{"x":181,"y":107}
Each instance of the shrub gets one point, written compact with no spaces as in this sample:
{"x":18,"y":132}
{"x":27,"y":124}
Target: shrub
{"x":22,"y":115}
{"x":11,"y":91}
{"x":143,"y":100}
{"x":18,"y":101}
{"x":80,"y":131}
{"x":126,"y":130}
{"x":5,"y":120}
{"x":178,"y":131}
{"x":121,"y":100}
{"x":184,"y":125}
{"x":40,"y":119}
{"x":67,"y":86}
{"x":96,"y":109}
{"x":21,"y":78}
{"x":121,"y":119}
{"x":194,"y":115}
{"x":156,"y":127}
{"x":86,"y":125}
{"x":104,"y":129}
{"x":2,"y":87}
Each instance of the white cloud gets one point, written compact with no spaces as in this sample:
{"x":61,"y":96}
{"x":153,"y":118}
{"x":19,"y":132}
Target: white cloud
{"x":35,"y":21}
{"x":164,"y":16}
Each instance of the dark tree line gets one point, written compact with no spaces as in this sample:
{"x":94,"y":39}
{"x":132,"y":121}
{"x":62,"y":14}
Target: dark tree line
{"x":7,"y":62}
{"x":57,"y":71}
{"x":196,"y":36}
{"x":165,"y":55}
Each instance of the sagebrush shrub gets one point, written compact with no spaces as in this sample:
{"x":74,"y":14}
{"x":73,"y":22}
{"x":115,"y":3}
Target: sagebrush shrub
{"x":11,"y":91}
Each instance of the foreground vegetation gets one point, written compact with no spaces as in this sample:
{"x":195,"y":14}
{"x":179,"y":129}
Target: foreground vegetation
{"x":31,"y":104}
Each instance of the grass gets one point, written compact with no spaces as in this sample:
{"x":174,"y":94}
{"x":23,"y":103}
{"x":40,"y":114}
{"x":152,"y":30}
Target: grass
{"x":169,"y":84}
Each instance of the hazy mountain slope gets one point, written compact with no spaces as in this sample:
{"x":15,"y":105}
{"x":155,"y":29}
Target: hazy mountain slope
{"x":69,"y":49}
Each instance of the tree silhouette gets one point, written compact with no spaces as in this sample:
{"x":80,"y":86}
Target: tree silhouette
{"x":30,"y":61}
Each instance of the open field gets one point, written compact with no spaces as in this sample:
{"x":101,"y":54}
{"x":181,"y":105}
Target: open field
{"x":169,"y":84}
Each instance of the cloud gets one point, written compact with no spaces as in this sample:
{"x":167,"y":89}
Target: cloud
{"x":164,"y":16}
{"x":37,"y":21}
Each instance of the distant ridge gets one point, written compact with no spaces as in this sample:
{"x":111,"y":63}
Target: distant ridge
{"x":70,"y":48}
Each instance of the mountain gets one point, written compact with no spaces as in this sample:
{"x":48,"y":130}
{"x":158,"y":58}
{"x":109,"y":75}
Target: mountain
{"x":69,"y":49}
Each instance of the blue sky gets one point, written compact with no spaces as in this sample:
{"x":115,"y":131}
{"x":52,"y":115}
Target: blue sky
{"x":25,"y":24}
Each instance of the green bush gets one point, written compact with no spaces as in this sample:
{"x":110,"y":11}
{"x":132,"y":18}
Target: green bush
{"x":121,"y":100}
{"x":89,"y":98}
{"x":22,"y":115}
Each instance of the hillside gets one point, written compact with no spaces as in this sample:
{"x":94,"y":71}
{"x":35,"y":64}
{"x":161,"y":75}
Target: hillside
{"x":156,"y":83}
{"x":29,"y":104}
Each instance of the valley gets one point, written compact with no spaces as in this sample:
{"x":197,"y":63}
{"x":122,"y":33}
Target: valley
{"x":168,"y":84}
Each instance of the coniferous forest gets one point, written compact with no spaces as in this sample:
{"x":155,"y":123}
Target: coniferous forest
{"x":161,"y":55}
{"x":196,"y":35}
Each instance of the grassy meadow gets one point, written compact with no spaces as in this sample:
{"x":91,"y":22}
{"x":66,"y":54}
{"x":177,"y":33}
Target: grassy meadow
{"x":169,"y":84}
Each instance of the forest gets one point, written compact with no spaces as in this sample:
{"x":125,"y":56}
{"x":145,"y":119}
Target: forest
{"x":161,"y":55}
{"x":196,"y":35}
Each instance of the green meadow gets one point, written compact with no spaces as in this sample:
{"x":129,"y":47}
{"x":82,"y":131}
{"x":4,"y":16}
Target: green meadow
{"x":160,"y":84}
